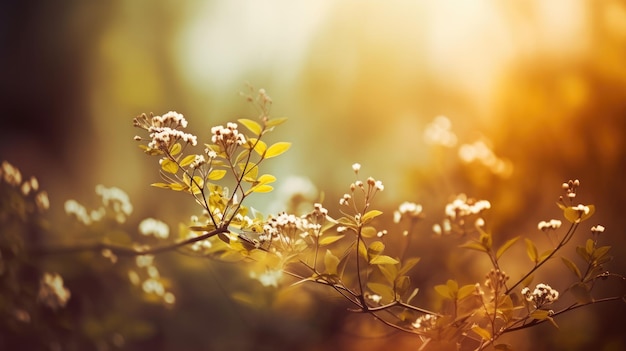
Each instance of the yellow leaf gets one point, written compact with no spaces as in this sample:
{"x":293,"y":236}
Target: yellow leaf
{"x":169,"y":166}
{"x":253,"y":126}
{"x":275,"y":121}
{"x":371,"y":215}
{"x":506,"y":246}
{"x":263,"y":188}
{"x":161,"y":185}
{"x":216,"y":174}
{"x":483,"y":333}
{"x":266,"y":178}
{"x":187,"y":160}
{"x":329,"y":239}
{"x":277,"y":149}
{"x":175,"y":149}
{"x":531,"y":250}
{"x":330,"y":262}
{"x":383,"y":259}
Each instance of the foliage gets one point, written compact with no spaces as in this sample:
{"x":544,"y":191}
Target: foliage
{"x":347,"y":253}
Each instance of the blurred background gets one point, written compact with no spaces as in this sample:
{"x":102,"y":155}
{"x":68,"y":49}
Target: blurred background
{"x":502,"y":101}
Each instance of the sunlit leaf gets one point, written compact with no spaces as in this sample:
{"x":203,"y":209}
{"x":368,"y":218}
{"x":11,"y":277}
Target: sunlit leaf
{"x":169,"y":166}
{"x":370,"y":215}
{"x":408,"y":264}
{"x":160,"y":185}
{"x":253,"y":126}
{"x":368,"y":232}
{"x":259,"y":145}
{"x":540,"y":314}
{"x":384,"y":290}
{"x":506,"y":246}
{"x":544,"y":255}
{"x":178,"y":186}
{"x":362,"y":249}
{"x":216,"y":174}
{"x":444,"y":291}
{"x":473,"y":245}
{"x":277,"y":149}
{"x":402,"y":284}
{"x":263,"y":188}
{"x":187,"y":160}
{"x":531,"y":250}
{"x":589,"y":246}
{"x":483,"y":333}
{"x":375,"y":248}
{"x":329,"y":239}
{"x":275,"y":122}
{"x":466,"y":290}
{"x":383,"y":259}
{"x":330,"y":262}
{"x":175,"y":149}
{"x":573,"y":215}
{"x":266,"y":178}
{"x":572,"y":267}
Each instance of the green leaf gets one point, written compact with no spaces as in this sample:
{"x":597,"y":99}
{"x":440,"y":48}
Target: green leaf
{"x":216,"y":174}
{"x":370,"y":215}
{"x":531,"y":250}
{"x":331,"y":262}
{"x":572,"y":267}
{"x":253,"y":126}
{"x":169,"y":166}
{"x":277,"y":149}
{"x":483,"y":333}
{"x":383,"y":259}
{"x":329,"y":239}
{"x":506,"y":246}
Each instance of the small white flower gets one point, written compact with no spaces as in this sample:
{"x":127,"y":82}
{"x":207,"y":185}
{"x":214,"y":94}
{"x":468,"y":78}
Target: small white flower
{"x":356,"y":167}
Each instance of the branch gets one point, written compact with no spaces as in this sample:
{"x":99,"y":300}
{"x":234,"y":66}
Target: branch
{"x":125,"y":250}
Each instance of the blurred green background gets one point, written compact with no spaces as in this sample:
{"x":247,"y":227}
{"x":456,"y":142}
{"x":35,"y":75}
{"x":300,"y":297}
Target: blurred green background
{"x":542,"y":83}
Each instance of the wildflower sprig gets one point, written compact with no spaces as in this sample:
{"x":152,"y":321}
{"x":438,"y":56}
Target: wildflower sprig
{"x":230,"y":151}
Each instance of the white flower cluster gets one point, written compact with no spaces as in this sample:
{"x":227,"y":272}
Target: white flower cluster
{"x":425,"y":322}
{"x":113,"y":199}
{"x":542,"y":295}
{"x":227,"y":136}
{"x":410,"y":209}
{"x":117,"y":200}
{"x":52,"y":293}
{"x":288,"y":232}
{"x":164,"y":130}
{"x":13,"y":177}
{"x":496,"y":280}
{"x":462,"y":206}
{"x":552,"y":224}
{"x":597,"y":229}
{"x":151,"y":226}
{"x":151,"y":283}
